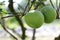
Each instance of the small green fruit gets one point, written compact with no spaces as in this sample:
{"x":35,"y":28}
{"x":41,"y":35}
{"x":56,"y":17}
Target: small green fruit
{"x":34,"y":19}
{"x":49,"y":14}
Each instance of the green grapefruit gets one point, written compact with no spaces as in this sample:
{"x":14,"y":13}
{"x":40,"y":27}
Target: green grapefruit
{"x":34,"y":19}
{"x":49,"y":14}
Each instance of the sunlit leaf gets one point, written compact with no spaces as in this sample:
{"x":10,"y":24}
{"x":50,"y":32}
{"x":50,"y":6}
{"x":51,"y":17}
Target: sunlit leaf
{"x":12,"y":23}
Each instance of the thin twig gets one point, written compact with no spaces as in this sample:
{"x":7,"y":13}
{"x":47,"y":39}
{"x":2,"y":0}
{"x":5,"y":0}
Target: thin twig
{"x":25,"y":8}
{"x":37,"y":6}
{"x":7,"y":16}
{"x":57,"y":10}
{"x":34,"y":31}
{"x":59,"y":4}
{"x":41,"y":2}
{"x":10,"y":16}
{"x":31,"y":4}
{"x":20,"y":7}
{"x":15,"y":32}
{"x":2,"y":22}
{"x":52,"y":3}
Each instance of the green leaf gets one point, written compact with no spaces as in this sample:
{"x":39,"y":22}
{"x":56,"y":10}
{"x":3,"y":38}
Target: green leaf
{"x":12,"y":23}
{"x":0,"y":10}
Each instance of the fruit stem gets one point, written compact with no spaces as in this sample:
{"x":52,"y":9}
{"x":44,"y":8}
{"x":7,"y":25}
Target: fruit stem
{"x":34,"y":31}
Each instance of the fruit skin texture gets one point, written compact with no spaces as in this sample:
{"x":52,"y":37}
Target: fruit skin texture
{"x":34,"y":19}
{"x":49,"y":14}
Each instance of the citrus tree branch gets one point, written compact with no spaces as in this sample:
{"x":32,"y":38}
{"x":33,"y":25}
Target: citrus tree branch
{"x":57,"y":38}
{"x":2,"y":22}
{"x":59,"y":4}
{"x":10,"y":16}
{"x":39,"y":3}
{"x":25,"y":8}
{"x":57,"y":10}
{"x":31,"y":5}
{"x":17,"y":18}
{"x":52,"y":3}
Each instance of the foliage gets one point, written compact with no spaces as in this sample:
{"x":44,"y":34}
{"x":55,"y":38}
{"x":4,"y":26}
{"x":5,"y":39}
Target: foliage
{"x":12,"y":23}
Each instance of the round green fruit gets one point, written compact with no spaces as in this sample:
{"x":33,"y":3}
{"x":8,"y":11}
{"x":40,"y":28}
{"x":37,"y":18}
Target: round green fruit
{"x":49,"y":14}
{"x":34,"y":19}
